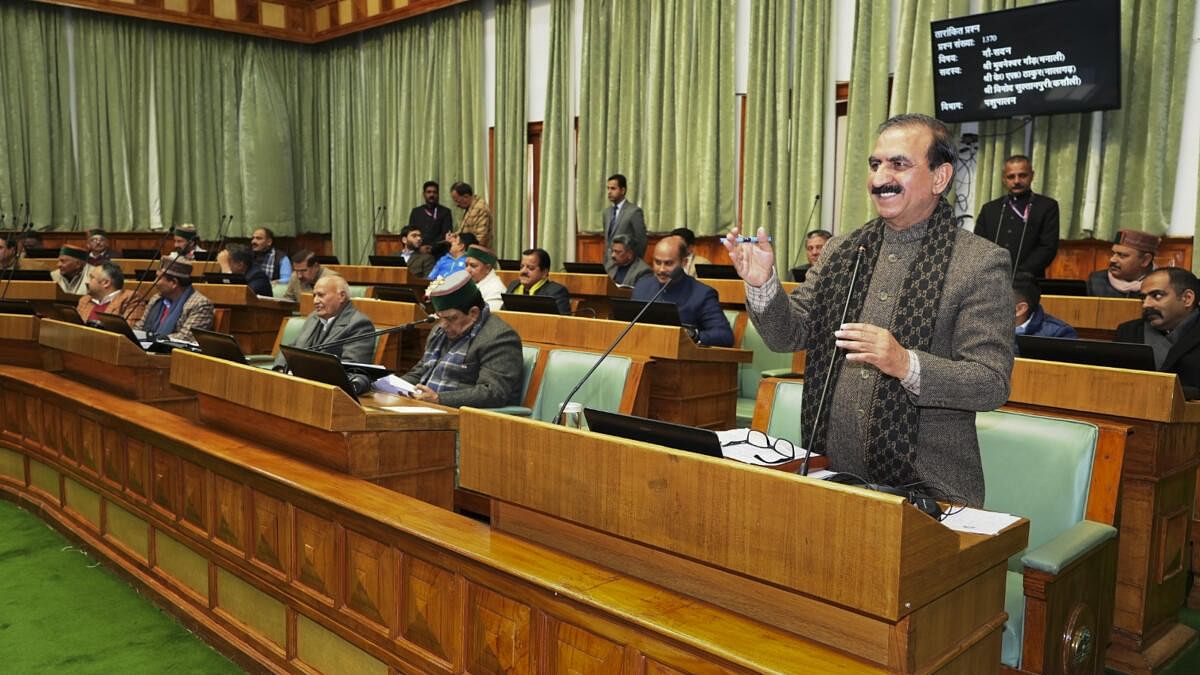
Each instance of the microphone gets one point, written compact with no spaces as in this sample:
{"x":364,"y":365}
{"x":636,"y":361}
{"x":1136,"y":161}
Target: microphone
{"x":676,"y":274}
{"x":374,"y":334}
{"x":807,"y":225}
{"x":370,"y":247}
{"x":829,"y":371}
{"x":138,"y":299}
{"x":75,"y":223}
{"x":221,"y":224}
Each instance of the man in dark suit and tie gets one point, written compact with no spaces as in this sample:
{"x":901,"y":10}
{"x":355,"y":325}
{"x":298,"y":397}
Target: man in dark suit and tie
{"x":1170,"y":324}
{"x":334,"y":317}
{"x":698,"y":306}
{"x":1023,"y":222}
{"x":534,"y":280}
{"x":623,"y":217}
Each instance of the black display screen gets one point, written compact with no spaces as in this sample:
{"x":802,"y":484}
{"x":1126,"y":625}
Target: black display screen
{"x":1058,"y":57}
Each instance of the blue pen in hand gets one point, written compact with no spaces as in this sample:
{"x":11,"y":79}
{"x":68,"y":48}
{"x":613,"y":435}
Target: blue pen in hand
{"x":752,"y":240}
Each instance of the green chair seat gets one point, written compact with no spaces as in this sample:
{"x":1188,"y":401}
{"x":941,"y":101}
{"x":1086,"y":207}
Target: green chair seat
{"x":529,"y":356}
{"x":785,"y":412}
{"x":750,"y":374}
{"x":1014,"y":626}
{"x":603,"y":390}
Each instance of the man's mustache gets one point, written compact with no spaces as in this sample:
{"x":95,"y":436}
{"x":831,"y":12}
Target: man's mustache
{"x":890,"y":187}
{"x":1148,"y":314}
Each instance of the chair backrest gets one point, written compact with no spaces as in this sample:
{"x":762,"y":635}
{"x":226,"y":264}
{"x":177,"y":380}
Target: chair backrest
{"x":603,"y":390}
{"x":1037,"y":467}
{"x":749,"y":374}
{"x":289,"y":330}
{"x":785,"y":411}
{"x":278,"y":289}
{"x":355,"y":291}
{"x":529,"y":357}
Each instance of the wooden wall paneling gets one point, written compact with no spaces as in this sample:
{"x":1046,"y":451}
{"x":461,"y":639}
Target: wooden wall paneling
{"x":271,"y":529}
{"x":431,"y":615}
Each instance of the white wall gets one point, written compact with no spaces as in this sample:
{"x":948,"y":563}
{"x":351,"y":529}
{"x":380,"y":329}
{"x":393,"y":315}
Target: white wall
{"x":1183,"y":214}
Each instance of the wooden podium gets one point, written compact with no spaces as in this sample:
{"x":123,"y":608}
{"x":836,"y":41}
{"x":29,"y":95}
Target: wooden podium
{"x":857,"y":571}
{"x":19,"y":340}
{"x":686,"y":383}
{"x":114,"y":363}
{"x":43,"y":295}
{"x":412,"y":453}
{"x":254,"y":320}
{"x":1158,"y":483}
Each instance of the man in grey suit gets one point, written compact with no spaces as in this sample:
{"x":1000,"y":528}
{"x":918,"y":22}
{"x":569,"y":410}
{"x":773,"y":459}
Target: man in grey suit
{"x":623,"y":265}
{"x":623,"y":218}
{"x":334,"y":317}
{"x":903,"y":318}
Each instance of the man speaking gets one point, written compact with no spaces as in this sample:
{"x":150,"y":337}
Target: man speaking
{"x":926,"y":338}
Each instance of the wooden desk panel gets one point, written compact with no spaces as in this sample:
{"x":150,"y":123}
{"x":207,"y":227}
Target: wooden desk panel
{"x":287,"y":566}
{"x":19,"y":340}
{"x":254,"y":320}
{"x":1093,"y":318}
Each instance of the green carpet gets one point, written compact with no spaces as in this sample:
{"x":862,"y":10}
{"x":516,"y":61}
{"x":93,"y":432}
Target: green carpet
{"x":62,"y":611}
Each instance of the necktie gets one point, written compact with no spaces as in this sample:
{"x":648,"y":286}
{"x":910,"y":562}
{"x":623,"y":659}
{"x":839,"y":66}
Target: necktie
{"x":315,"y":341}
{"x":612,"y":224}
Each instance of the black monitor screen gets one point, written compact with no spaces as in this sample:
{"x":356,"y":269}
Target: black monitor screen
{"x":1045,"y":59}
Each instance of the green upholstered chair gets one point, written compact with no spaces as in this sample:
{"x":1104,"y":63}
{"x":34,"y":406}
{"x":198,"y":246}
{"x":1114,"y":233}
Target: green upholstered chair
{"x":564,"y":368}
{"x":288,"y":332}
{"x":766,"y":362}
{"x":357,"y":291}
{"x":784,"y":419}
{"x":1041,"y":468}
{"x":278,"y":289}
{"x":529,"y":357}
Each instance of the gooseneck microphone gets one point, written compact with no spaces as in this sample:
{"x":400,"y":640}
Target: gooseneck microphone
{"x":858,"y":256}
{"x":374,"y":334}
{"x":676,"y":274}
{"x":137,"y":298}
{"x":225,"y":221}
{"x":807,"y":228}
{"x":380,"y":210}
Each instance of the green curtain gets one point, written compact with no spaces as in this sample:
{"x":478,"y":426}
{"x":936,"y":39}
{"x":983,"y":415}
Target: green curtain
{"x":786,"y":98}
{"x":867,"y":108}
{"x":555,"y":231}
{"x":510,"y":206}
{"x":37,"y":165}
{"x":912,"y":87}
{"x":657,"y":105}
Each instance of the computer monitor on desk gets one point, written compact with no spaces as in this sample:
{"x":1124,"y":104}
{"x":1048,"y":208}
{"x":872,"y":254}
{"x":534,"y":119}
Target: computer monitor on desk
{"x":584,"y":268}
{"x":668,"y":434}
{"x":659,"y":313}
{"x":536,"y":304}
{"x":219,"y":345}
{"x":1127,"y":355}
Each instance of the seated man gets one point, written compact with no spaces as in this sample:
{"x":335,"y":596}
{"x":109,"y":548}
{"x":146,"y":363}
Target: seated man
{"x":1132,"y":259}
{"x":419,"y":262}
{"x":176,"y":308}
{"x":623,"y":265}
{"x":71,"y":274}
{"x":187,"y":242}
{"x":306,"y":272}
{"x":535,"y":270}
{"x":472,"y":358}
{"x":335,"y":317}
{"x":29,"y":239}
{"x":273,"y":262}
{"x":1031,"y":319}
{"x":692,"y":259}
{"x":10,"y":258}
{"x":456,"y":258}
{"x":814,"y":243}
{"x":106,"y":293}
{"x":481,"y":265}
{"x":98,"y":247}
{"x":241,"y":261}
{"x":1169,"y":324}
{"x":697,"y":302}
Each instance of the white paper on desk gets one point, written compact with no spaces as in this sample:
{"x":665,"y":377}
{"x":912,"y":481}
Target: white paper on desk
{"x":393,"y":384}
{"x":978,"y":521}
{"x":410,"y":409}
{"x":754,"y":447}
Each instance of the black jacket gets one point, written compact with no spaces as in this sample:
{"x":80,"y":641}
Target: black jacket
{"x":1000,"y":224}
{"x":1183,"y":359}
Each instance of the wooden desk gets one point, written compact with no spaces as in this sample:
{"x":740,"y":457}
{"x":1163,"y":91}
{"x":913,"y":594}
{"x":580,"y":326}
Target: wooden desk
{"x":19,"y":340}
{"x":409,"y":453}
{"x":253,"y":320}
{"x":860,"y":571}
{"x":1158,"y":483}
{"x":1093,"y":318}
{"x":114,"y":363}
{"x":368,"y":275}
{"x":289,"y":567}
{"x":128,"y":266}
{"x":43,"y":295}
{"x":686,"y":383}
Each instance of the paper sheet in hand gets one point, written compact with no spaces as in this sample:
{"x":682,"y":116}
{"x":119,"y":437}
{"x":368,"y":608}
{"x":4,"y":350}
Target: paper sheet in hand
{"x":978,"y":521}
{"x":393,"y":384}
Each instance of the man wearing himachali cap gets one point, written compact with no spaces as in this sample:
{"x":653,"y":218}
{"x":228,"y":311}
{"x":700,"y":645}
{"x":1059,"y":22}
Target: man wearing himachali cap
{"x":177,"y":307}
{"x":72,"y":273}
{"x":1132,"y":259}
{"x":472,"y":357}
{"x":481,"y":265}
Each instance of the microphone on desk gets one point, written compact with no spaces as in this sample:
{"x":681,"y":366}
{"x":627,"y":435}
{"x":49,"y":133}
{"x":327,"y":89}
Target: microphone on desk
{"x":676,"y":274}
{"x":807,"y":224}
{"x":812,"y":434}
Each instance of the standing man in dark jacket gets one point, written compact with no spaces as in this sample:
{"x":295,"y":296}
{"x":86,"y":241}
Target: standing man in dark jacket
{"x":1023,"y":222}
